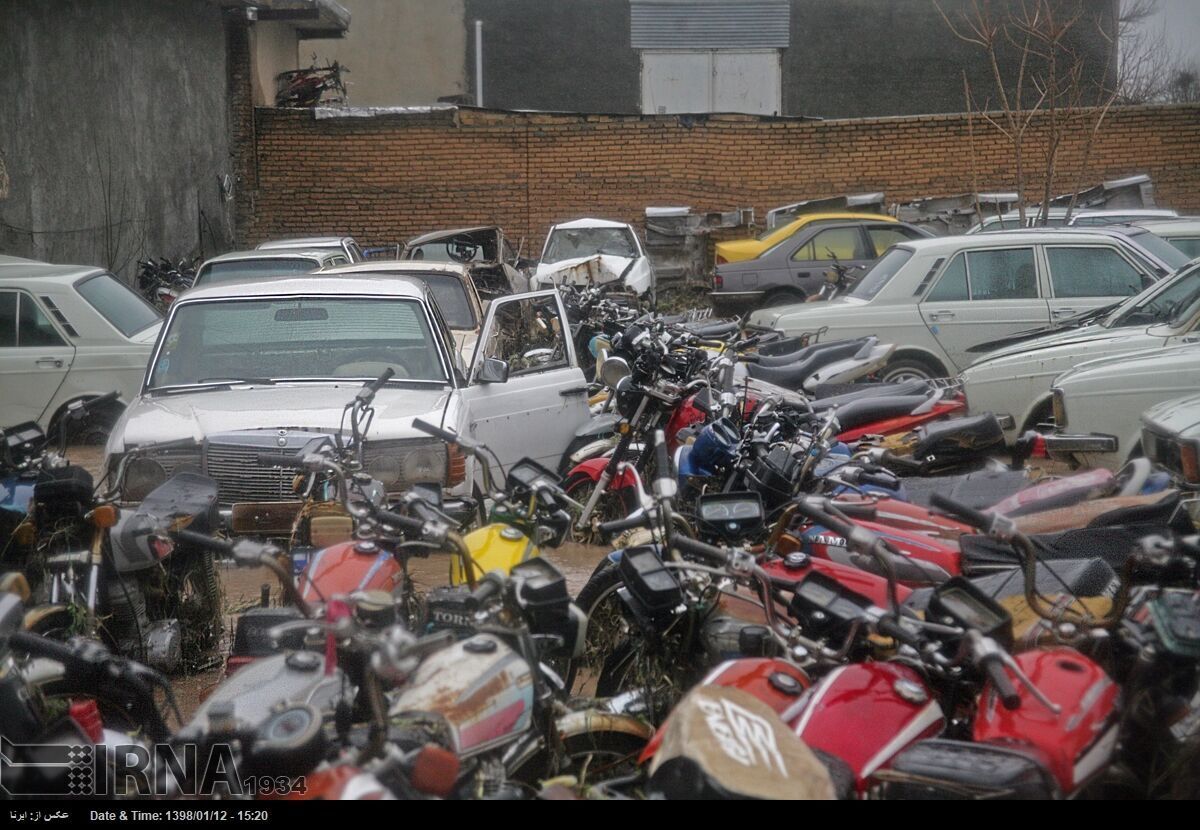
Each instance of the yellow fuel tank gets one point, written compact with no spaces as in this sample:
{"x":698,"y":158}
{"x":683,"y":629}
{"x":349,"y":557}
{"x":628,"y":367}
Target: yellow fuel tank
{"x":494,"y":547}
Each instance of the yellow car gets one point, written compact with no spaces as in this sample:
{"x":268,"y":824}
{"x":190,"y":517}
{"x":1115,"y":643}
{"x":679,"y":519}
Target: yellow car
{"x":737,"y":250}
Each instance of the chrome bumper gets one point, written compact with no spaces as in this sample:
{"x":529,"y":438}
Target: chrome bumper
{"x":1084,"y":443}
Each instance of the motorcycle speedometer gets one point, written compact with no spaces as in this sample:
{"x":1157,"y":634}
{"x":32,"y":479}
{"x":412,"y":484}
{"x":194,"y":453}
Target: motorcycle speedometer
{"x":291,"y":741}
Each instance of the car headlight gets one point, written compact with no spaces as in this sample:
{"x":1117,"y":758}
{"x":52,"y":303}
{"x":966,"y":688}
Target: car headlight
{"x":142,"y":476}
{"x":1060,"y":408}
{"x":425,"y":465}
{"x":386,"y":469}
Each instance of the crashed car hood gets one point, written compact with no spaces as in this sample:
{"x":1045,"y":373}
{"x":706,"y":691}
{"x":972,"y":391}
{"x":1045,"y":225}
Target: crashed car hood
{"x":586,"y":270}
{"x":197,"y":415}
{"x":1135,"y":365}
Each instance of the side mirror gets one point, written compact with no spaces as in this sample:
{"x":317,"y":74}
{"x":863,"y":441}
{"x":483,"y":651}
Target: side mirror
{"x":493,"y":370}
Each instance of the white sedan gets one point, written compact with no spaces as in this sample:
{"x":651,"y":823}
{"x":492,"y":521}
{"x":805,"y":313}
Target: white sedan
{"x":936,"y":299}
{"x":68,"y":333}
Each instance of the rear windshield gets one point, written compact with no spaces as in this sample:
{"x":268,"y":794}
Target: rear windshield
{"x":1161,"y":248}
{"x":451,"y":297}
{"x":235,"y":270}
{"x":879,"y":274}
{"x":118,"y":304}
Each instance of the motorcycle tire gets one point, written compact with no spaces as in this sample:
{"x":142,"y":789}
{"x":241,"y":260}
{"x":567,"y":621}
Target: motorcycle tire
{"x":196,"y":597}
{"x":610,"y":507}
{"x":606,"y":628}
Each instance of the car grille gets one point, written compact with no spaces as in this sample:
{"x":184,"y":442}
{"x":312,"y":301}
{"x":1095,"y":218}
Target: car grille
{"x":241,"y":478}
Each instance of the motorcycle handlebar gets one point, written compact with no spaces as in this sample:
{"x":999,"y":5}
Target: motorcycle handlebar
{"x":291,"y":462}
{"x":368,"y":391}
{"x":701,"y":550}
{"x":610,"y":529}
{"x":202,"y":540}
{"x":39,"y":646}
{"x":971,"y":516}
{"x":490,"y":586}
{"x":398,"y":521}
{"x":993,"y":667}
{"x":101,"y":400}
{"x":444,"y":434}
{"x":890,"y":627}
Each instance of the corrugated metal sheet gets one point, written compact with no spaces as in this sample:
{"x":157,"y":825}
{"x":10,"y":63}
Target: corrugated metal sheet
{"x":705,"y":24}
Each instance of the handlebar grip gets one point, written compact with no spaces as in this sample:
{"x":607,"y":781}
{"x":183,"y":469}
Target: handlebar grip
{"x":839,"y":526}
{"x":436,"y":431}
{"x":609,"y":529}
{"x":970,"y":515}
{"x":39,"y":646}
{"x":293,"y":462}
{"x":398,"y":521}
{"x":700,"y":550}
{"x":490,"y":586}
{"x":993,"y":667}
{"x":368,"y":391}
{"x":202,"y":540}
{"x":889,"y":627}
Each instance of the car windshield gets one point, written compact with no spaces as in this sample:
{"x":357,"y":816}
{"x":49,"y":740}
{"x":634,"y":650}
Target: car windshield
{"x":570,"y":243}
{"x":879,"y":274}
{"x":118,"y":304}
{"x":242,"y":269}
{"x":308,"y":338}
{"x":1160,"y":303}
{"x":464,"y":247}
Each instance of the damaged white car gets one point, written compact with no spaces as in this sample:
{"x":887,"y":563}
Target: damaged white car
{"x":267,"y":367}
{"x":595,"y":252}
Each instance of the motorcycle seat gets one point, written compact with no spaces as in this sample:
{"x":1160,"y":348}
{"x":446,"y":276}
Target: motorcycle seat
{"x":982,"y":554}
{"x":793,"y":375}
{"x":709,"y":330}
{"x":863,"y":411}
{"x":857,"y":391}
{"x":1079,"y":577}
{"x":799,"y":355}
{"x":961,"y":436}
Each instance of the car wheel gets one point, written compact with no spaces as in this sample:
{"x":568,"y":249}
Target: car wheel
{"x":784,"y":296}
{"x":908,"y":369}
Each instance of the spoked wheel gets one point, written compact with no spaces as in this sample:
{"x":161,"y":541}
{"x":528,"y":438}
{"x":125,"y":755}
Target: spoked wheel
{"x":199,"y":598}
{"x":609,"y":508}
{"x":607,"y":628}
{"x":601,"y":755}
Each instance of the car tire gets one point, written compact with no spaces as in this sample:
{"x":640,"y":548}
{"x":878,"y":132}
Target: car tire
{"x":784,"y":296}
{"x":908,"y":368}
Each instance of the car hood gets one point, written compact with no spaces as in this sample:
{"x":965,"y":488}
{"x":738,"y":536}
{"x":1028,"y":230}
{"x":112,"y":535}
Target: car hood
{"x":1178,"y":416}
{"x":199,"y":415}
{"x":596,"y":269}
{"x":801,"y":313}
{"x":1142,"y":364}
{"x":1066,"y":337}
{"x":1059,"y":351}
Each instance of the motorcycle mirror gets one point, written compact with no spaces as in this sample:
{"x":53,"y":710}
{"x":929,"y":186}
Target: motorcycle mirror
{"x":613,"y":371}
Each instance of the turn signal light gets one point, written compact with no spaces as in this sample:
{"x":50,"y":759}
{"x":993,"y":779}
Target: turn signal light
{"x":104,"y":516}
{"x":456,"y":465}
{"x":718,"y":282}
{"x":1189,"y":462}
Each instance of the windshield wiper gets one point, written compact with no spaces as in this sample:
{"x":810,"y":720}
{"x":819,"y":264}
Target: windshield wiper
{"x":206,"y":384}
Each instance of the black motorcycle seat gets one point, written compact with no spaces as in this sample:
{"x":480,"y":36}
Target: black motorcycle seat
{"x":793,"y":375}
{"x":959,"y":436}
{"x":863,"y":411}
{"x":1079,"y":577}
{"x":801,"y":354}
{"x":982,"y":554}
{"x":709,"y":330}
{"x":856,"y":391}
{"x":783,"y":346}
{"x":980,"y":489}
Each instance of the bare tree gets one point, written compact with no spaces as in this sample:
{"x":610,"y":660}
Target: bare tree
{"x":121,"y":233}
{"x":1047,"y":88}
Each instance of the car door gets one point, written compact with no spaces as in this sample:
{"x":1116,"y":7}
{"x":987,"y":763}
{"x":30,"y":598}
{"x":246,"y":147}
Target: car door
{"x":536,"y":411}
{"x":1088,"y":276}
{"x":984,"y":295}
{"x":809,"y":261}
{"x":34,"y":358}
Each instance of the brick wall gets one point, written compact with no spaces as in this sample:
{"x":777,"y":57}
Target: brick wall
{"x":388,"y":177}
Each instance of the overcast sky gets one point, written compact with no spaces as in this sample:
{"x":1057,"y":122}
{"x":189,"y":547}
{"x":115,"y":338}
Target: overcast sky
{"x":1178,"y":22}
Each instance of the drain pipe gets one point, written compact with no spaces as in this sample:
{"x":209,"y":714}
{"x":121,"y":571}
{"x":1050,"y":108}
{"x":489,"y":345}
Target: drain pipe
{"x":479,"y":63}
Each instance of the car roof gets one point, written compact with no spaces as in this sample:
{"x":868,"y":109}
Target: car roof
{"x":1164,"y":227}
{"x":314,"y":285}
{"x":1163,"y":212}
{"x":397,"y":266}
{"x":944,"y":244}
{"x":301,"y":241}
{"x":238,"y":256}
{"x":20,"y":270}
{"x":591,"y":223}
{"x":435,"y":235}
{"x":833,"y":216}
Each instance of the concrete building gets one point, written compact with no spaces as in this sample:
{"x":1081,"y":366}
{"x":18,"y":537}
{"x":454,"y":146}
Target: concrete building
{"x":121,"y":120}
{"x":826,"y":58}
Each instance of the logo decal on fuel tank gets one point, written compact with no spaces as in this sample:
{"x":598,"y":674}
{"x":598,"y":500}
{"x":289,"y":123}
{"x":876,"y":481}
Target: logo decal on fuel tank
{"x":743,"y":735}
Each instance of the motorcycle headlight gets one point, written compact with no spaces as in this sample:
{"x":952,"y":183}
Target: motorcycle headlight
{"x":142,"y":476}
